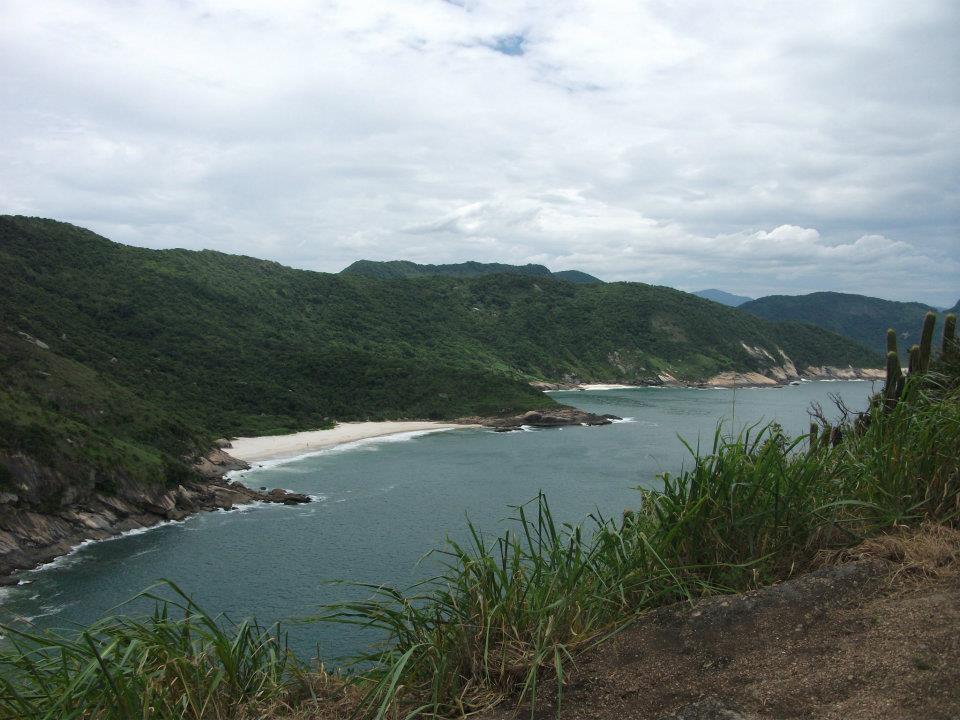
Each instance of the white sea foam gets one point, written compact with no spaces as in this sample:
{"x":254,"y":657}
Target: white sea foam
{"x":624,"y":420}
{"x":70,"y":557}
{"x":247,"y":507}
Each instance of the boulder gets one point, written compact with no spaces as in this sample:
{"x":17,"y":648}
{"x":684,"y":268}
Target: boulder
{"x":279,"y":495}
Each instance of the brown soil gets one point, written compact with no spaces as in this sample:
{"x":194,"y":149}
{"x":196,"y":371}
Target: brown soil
{"x":876,"y":636}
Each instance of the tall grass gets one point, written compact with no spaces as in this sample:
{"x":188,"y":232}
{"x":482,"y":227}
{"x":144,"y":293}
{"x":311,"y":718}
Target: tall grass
{"x":179,"y":663}
{"x":506,"y":615}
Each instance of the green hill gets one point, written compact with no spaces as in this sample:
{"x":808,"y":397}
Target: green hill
{"x":393,"y":269}
{"x":576,"y":276}
{"x":122,"y":358}
{"x":858,"y":317}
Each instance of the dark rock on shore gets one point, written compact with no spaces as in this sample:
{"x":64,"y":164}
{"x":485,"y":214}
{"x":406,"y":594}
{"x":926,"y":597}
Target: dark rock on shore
{"x":33,"y":530}
{"x":554,"y":417}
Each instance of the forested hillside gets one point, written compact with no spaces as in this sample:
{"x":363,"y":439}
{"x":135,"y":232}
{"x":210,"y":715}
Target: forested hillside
{"x":858,"y":317}
{"x":405,"y":269}
{"x":111,"y":353}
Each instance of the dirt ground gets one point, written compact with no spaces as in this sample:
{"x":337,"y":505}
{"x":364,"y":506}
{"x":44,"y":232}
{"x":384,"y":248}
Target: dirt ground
{"x":874,"y":634}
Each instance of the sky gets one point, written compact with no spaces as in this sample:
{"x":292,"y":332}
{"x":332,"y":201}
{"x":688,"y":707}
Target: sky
{"x":758,"y":147}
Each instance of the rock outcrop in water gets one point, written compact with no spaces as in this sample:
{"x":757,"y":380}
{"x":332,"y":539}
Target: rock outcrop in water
{"x":44,"y":515}
{"x":554,"y":417}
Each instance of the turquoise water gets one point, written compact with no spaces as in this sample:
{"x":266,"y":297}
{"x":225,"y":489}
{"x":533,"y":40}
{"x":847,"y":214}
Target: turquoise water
{"x":382,"y":505}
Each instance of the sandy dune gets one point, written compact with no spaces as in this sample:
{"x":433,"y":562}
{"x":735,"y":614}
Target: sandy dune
{"x":271,"y":447}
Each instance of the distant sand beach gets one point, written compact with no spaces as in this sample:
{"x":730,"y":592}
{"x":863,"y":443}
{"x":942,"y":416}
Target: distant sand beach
{"x":273,"y":447}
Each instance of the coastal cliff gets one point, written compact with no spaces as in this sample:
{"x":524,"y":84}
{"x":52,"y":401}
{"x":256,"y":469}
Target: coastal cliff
{"x":46,"y":513}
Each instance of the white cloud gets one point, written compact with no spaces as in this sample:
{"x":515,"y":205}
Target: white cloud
{"x":760,"y":147}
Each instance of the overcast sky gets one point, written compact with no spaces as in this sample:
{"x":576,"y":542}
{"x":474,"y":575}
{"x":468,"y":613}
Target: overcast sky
{"x":758,"y":147}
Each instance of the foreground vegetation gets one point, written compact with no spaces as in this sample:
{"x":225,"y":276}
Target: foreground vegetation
{"x":508,"y":614}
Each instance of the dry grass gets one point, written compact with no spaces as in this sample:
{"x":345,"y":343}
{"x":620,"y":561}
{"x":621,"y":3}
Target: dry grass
{"x":325,"y":697}
{"x":931,"y":550}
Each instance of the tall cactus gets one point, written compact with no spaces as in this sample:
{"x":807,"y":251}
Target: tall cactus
{"x":891,"y":340}
{"x":894,"y":384}
{"x":926,"y":341}
{"x":949,"y":347}
{"x":914,"y":363}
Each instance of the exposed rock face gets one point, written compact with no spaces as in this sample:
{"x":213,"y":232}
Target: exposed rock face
{"x":544,"y":385}
{"x":707,"y":709}
{"x":786,"y":373}
{"x":733,"y":379}
{"x":554,"y":417}
{"x":217,"y":463}
{"x":46,"y":514}
{"x":771,"y":376}
{"x":828,"y":372}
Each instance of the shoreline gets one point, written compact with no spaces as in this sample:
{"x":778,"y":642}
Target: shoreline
{"x":294,"y":445}
{"x":729,"y":380}
{"x":44,"y":539}
{"x":38,"y":540}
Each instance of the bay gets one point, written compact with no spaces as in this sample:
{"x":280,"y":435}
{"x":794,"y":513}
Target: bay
{"x":381,"y":505}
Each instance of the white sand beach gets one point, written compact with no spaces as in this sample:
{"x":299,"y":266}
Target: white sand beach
{"x":605,"y":386}
{"x":272,"y":447}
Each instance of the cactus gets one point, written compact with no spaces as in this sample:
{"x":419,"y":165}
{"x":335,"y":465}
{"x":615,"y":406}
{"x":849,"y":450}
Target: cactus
{"x":814,"y":433}
{"x":926,"y":341}
{"x":949,"y":346}
{"x":894,"y":383}
{"x":914,"y":364}
{"x":825,"y":436}
{"x":891,"y":340}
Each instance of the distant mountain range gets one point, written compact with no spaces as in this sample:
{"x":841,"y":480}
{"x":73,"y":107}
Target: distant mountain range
{"x":858,"y":317}
{"x":387,"y":269}
{"x":722,"y":297}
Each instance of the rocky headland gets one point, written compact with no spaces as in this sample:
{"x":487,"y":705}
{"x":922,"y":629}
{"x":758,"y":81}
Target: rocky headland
{"x":47,"y":514}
